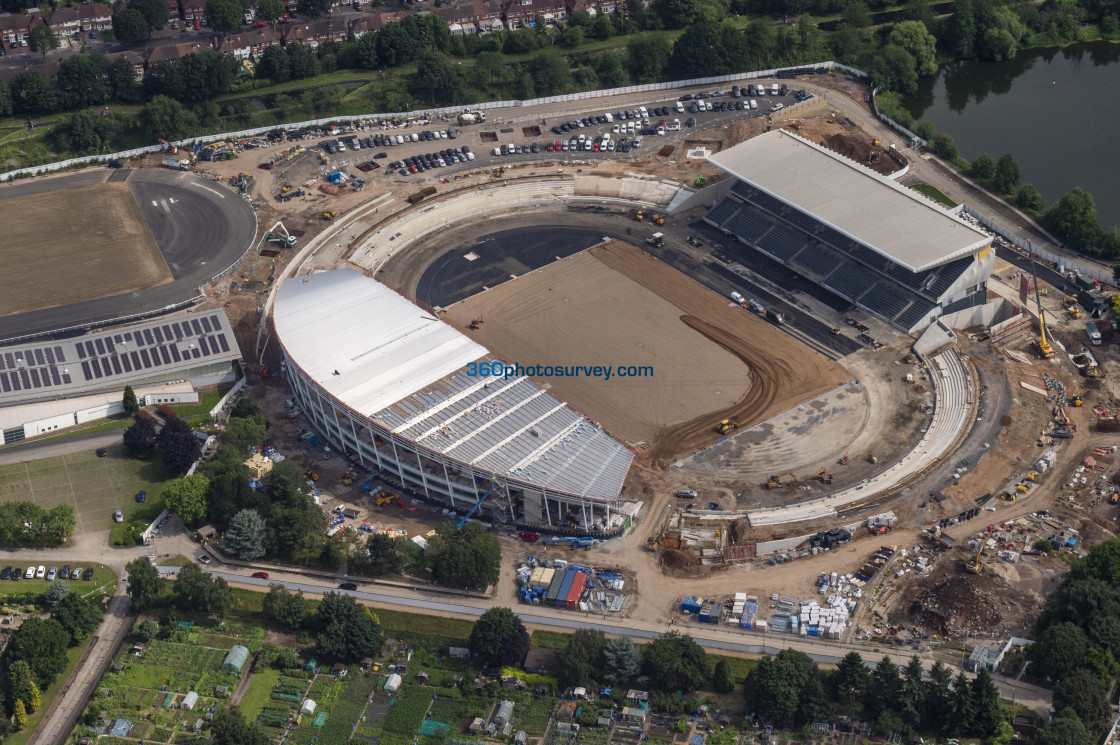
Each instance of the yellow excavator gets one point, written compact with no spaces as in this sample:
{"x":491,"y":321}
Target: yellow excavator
{"x":1044,"y":349}
{"x":775,"y":482}
{"x":973,"y":565}
{"x":726,"y":426}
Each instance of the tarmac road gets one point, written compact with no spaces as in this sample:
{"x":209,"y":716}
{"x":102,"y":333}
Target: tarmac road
{"x":200,"y":228}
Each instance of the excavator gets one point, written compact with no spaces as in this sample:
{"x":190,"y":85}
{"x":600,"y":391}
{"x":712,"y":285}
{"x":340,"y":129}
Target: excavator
{"x":475,"y":323}
{"x":1076,"y":399}
{"x":388,"y":499}
{"x":726,"y":426}
{"x":658,"y":219}
{"x":329,"y":215}
{"x":1070,"y":304}
{"x":872,"y":458}
{"x":776,"y":482}
{"x":973,"y":565}
{"x":1044,"y":349}
{"x":843,"y":459}
{"x":824,"y":478}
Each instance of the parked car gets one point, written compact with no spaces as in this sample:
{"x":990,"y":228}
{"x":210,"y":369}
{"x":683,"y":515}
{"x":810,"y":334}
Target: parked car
{"x":63,"y":573}
{"x":87,"y":575}
{"x":348,"y":586}
{"x":118,"y":516}
{"x":260,"y":575}
{"x":17,"y":575}
{"x":40,"y":572}
{"x":112,"y":164}
{"x":102,"y":452}
{"x":777,"y":107}
{"x":76,"y":574}
{"x":204,"y":558}
{"x":30,"y":573}
{"x":52,"y":573}
{"x":6,"y":573}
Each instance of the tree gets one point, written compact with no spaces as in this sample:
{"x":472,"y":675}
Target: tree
{"x":33,"y":93}
{"x":915,"y":38}
{"x":945,"y":146}
{"x":289,"y":609}
{"x":223,"y":15}
{"x":675,"y":662}
{"x":144,"y":583}
{"x":895,"y":69}
{"x":197,"y":590}
{"x":178,"y":445}
{"x":313,"y":8}
{"x":244,"y":537}
{"x":886,"y":687}
{"x":56,"y":591}
{"x":41,"y":643}
{"x":129,"y":26}
{"x":851,"y":681}
{"x":983,"y":166}
{"x":962,"y":30}
{"x":385,"y":555}
{"x":857,"y":15}
{"x":936,"y":703}
{"x":270,"y":10}
{"x":36,"y":698}
{"x":676,"y":13}
{"x":1029,"y":198}
{"x":228,"y":727}
{"x":244,"y":433}
{"x":1110,"y":244}
{"x":1066,"y":729}
{"x":59,"y":522}
{"x":20,"y":715}
{"x":129,"y":402}
{"x":722,"y":679}
{"x":1007,"y":174}
{"x":773,"y":689}
{"x":346,"y":631}
{"x":147,"y":629}
{"x":186,"y":497}
{"x":963,"y":707}
{"x":467,"y":557}
{"x":988,"y":711}
{"x":1082,"y":691}
{"x":581,"y":660}
{"x":78,"y":616}
{"x":153,"y":11}
{"x":140,"y":438}
{"x":18,"y":684}
{"x":1058,"y":650}
{"x":499,"y":637}
{"x":646,"y":56}
{"x":622,"y":660}
{"x":574,"y":37}
{"x":41,"y":38}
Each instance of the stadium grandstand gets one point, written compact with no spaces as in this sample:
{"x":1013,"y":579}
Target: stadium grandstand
{"x":860,"y":235}
{"x":387,"y":383}
{"x":52,"y":385}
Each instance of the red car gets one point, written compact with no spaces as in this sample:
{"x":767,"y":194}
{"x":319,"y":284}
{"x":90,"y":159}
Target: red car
{"x":530,"y":537}
{"x":259,"y":24}
{"x":260,"y":575}
{"x":266,"y":166}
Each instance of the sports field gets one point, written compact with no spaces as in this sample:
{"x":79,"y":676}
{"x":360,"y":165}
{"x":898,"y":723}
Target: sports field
{"x":73,"y":245}
{"x":94,"y":487}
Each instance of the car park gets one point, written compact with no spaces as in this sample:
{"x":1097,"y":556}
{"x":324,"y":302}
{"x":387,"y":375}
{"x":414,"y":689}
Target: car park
{"x":87,"y":575}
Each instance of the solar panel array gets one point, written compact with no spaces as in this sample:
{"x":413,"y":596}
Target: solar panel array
{"x":834,"y":260}
{"x":142,"y":351}
{"x":515,"y":427}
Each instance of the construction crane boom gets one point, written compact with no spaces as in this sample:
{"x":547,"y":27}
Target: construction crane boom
{"x":1044,"y":348}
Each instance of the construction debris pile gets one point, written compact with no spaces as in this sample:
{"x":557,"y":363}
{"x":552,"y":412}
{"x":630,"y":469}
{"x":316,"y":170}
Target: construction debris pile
{"x":829,"y":539}
{"x":957,"y":607}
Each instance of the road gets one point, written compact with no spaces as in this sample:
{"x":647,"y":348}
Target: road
{"x":37,"y":449}
{"x":75,"y":694}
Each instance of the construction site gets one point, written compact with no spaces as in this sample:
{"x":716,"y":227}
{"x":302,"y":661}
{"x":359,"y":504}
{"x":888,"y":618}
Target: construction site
{"x":810,"y":459}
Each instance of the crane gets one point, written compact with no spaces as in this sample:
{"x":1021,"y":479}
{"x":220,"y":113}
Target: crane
{"x":1044,"y":348}
{"x":471,"y":510}
{"x":284,"y":238}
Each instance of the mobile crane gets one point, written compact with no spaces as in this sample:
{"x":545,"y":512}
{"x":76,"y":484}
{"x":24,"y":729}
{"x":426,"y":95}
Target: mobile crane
{"x":1044,"y":349}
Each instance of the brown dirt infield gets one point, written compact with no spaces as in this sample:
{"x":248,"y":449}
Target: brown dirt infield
{"x":617,"y":305}
{"x":74,"y":245}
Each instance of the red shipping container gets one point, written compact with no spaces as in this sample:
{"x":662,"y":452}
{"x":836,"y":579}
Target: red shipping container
{"x":578,"y":583}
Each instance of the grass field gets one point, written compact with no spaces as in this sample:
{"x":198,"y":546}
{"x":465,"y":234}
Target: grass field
{"x":258,"y":694}
{"x":94,"y":487}
{"x":935,"y":194}
{"x":41,"y":267}
{"x":102,"y":576}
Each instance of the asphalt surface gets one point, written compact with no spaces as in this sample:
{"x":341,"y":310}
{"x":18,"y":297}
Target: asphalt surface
{"x":501,"y":256}
{"x":200,"y":229}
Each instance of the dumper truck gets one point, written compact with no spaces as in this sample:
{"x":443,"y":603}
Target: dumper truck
{"x":176,"y":164}
{"x":1094,"y":333}
{"x":658,"y":240}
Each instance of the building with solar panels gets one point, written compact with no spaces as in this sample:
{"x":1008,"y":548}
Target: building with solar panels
{"x":51,"y":385}
{"x":387,"y":383}
{"x":881,"y":246}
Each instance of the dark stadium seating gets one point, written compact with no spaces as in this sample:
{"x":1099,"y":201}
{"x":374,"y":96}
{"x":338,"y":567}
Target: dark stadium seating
{"x":818,"y":260}
{"x":916,"y":312}
{"x":722,"y":211}
{"x":850,"y":280}
{"x":885,"y":300}
{"x":947,"y":275}
{"x":750,"y":225}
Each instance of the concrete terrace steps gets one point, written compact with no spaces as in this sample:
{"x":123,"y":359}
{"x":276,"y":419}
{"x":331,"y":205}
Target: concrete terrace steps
{"x":952,"y":407}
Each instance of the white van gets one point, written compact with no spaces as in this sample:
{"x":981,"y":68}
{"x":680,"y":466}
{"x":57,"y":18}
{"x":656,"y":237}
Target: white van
{"x":707,"y":106}
{"x":774,"y":89}
{"x":637,"y":142}
{"x":497,"y":151}
{"x":642,"y":112}
{"x":608,"y":117}
{"x":753,"y":104}
{"x":739,"y":299}
{"x":680,"y":107}
{"x":675,"y":126}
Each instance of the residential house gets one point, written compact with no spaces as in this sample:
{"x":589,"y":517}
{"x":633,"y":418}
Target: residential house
{"x":136,"y":59}
{"x":521,"y":13}
{"x":463,"y":19}
{"x":318,"y":31}
{"x":633,"y":715}
{"x":490,"y":25}
{"x":95,"y":17}
{"x":172,"y":10}
{"x":194,"y":11}
{"x":251,"y":43}
{"x":173,"y":52}
{"x":65,"y":22}
{"x":15,"y":27}
{"x":374,"y":22}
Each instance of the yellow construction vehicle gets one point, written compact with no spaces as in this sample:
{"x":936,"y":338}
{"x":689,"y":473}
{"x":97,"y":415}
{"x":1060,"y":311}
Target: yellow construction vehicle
{"x":329,"y":215}
{"x":871,"y":458}
{"x":1076,"y":399}
{"x":1114,"y":498}
{"x":775,"y":482}
{"x":1009,"y":497}
{"x":1044,"y":349}
{"x":824,"y":478}
{"x":1092,"y":371}
{"x":659,"y":219}
{"x":387,"y":499}
{"x":1074,"y":311}
{"x":639,"y":216}
{"x":973,"y":565}
{"x":311,"y":475}
{"x":726,"y":426}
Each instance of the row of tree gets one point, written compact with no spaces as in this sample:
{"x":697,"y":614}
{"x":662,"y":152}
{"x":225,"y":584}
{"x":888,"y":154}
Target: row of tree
{"x":176,"y":443}
{"x":29,"y":524}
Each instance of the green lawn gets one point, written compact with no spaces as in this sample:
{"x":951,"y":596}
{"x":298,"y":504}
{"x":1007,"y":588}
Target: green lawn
{"x":120,"y":421}
{"x":414,"y":625}
{"x":102,"y":576}
{"x":209,"y":400}
{"x":94,"y":487}
{"x":549,"y":639}
{"x":257,"y":695}
{"x":934,"y":193}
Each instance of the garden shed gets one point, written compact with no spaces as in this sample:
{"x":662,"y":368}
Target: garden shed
{"x":189,"y":700}
{"x":235,"y":660}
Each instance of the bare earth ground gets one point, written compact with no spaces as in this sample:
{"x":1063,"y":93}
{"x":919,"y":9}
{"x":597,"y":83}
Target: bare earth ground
{"x":579,"y":312}
{"x":110,"y":249}
{"x":645,"y":312}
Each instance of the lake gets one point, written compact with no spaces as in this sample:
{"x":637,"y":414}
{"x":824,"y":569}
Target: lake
{"x":1055,"y":110}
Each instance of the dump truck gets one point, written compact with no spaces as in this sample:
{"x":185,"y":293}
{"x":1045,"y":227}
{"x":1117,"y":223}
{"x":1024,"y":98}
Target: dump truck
{"x":1094,"y":333}
{"x":175,"y":164}
{"x":421,"y":195}
{"x":471,"y":116}
{"x":657,"y":240}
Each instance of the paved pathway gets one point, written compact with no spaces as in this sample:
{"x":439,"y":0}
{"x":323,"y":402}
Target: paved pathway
{"x":37,"y":450}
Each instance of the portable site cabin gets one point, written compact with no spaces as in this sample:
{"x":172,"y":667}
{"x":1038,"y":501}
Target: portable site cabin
{"x":392,"y":683}
{"x":189,"y":700}
{"x":235,"y":660}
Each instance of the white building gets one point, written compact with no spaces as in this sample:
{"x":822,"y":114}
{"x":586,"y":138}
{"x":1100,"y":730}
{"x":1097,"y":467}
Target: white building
{"x":387,"y":382}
